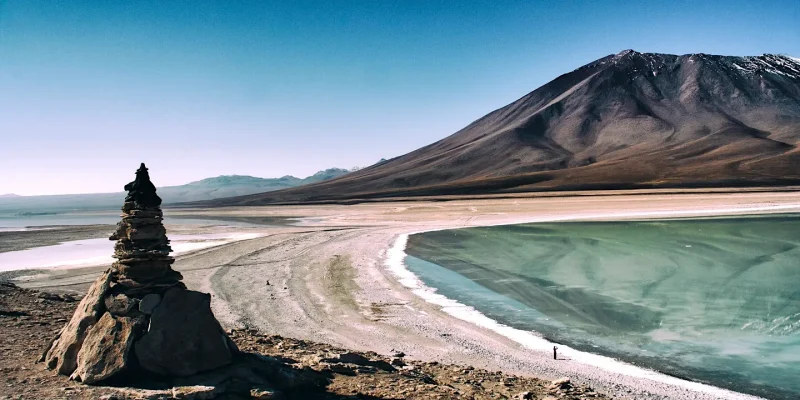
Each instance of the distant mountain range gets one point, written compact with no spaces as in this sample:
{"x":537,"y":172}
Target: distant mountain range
{"x":235,"y":185}
{"x":628,"y":120}
{"x":206,"y":189}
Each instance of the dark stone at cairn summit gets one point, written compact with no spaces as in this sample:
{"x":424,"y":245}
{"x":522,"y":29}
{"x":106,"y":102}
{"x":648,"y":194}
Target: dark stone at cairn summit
{"x":141,"y":191}
{"x":127,"y":320}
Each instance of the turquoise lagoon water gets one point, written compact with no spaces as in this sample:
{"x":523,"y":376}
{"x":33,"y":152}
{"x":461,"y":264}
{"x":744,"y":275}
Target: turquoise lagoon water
{"x":711,"y":300}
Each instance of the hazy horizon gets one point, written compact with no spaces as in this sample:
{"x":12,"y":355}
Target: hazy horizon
{"x":269,"y":89}
{"x":121,"y":190}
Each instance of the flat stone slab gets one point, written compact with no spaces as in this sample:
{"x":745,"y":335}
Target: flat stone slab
{"x":149,"y":303}
{"x":182,"y":392}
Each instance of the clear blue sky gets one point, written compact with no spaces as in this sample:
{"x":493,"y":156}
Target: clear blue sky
{"x":268,"y":88}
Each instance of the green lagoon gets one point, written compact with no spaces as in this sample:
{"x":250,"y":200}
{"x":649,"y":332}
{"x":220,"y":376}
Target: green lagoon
{"x":713,"y":300}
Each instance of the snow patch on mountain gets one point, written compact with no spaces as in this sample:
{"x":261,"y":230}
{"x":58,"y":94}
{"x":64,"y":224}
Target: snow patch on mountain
{"x":654,"y":63}
{"x":769,"y":63}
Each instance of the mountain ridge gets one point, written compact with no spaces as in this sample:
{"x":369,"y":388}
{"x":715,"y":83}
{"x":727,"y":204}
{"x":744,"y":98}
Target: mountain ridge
{"x":204,"y":189}
{"x":627,"y":120}
{"x":244,"y":179}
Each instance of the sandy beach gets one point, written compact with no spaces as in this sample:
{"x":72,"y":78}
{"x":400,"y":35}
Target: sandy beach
{"x":334,"y":274}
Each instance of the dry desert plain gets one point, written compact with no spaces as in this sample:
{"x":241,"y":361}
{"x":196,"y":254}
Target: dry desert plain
{"x":334,"y":274}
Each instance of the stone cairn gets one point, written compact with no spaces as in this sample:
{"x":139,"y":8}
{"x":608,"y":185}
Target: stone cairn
{"x":138,"y":317}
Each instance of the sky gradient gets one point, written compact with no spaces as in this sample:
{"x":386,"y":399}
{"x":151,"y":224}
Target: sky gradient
{"x":196,"y":89}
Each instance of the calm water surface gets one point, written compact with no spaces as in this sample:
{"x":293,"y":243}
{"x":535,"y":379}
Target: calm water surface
{"x":713,"y":300}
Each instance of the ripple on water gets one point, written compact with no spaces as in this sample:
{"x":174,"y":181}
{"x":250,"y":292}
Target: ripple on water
{"x":716,"y":300}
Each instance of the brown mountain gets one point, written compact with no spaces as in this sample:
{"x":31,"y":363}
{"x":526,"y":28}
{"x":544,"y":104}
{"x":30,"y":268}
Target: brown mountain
{"x":630,"y":120}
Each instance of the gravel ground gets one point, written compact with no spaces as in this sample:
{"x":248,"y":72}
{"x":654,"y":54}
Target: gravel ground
{"x":325,"y":280}
{"x":29,"y":318}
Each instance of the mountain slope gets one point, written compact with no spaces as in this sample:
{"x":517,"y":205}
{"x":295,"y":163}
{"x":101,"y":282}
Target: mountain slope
{"x":626,"y":120}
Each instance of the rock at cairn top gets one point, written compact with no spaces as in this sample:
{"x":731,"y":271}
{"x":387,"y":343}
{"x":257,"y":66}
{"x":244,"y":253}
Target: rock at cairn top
{"x":139,"y":315}
{"x":141,"y":191}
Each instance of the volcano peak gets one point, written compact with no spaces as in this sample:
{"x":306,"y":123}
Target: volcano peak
{"x":628,"y":120}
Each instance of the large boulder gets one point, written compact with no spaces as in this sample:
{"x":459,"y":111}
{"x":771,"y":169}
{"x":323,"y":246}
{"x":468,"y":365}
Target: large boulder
{"x":105,"y":350}
{"x":184,"y":337}
{"x":62,"y":354}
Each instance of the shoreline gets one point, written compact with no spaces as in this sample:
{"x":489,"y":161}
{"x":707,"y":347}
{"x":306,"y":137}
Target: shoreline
{"x":327,"y":276}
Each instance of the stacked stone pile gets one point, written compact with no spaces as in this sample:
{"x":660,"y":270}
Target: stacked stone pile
{"x":139,"y":316}
{"x":142,"y":249}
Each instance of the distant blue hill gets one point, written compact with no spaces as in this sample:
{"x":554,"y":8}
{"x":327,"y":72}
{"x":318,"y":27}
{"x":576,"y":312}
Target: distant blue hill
{"x":205,"y":189}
